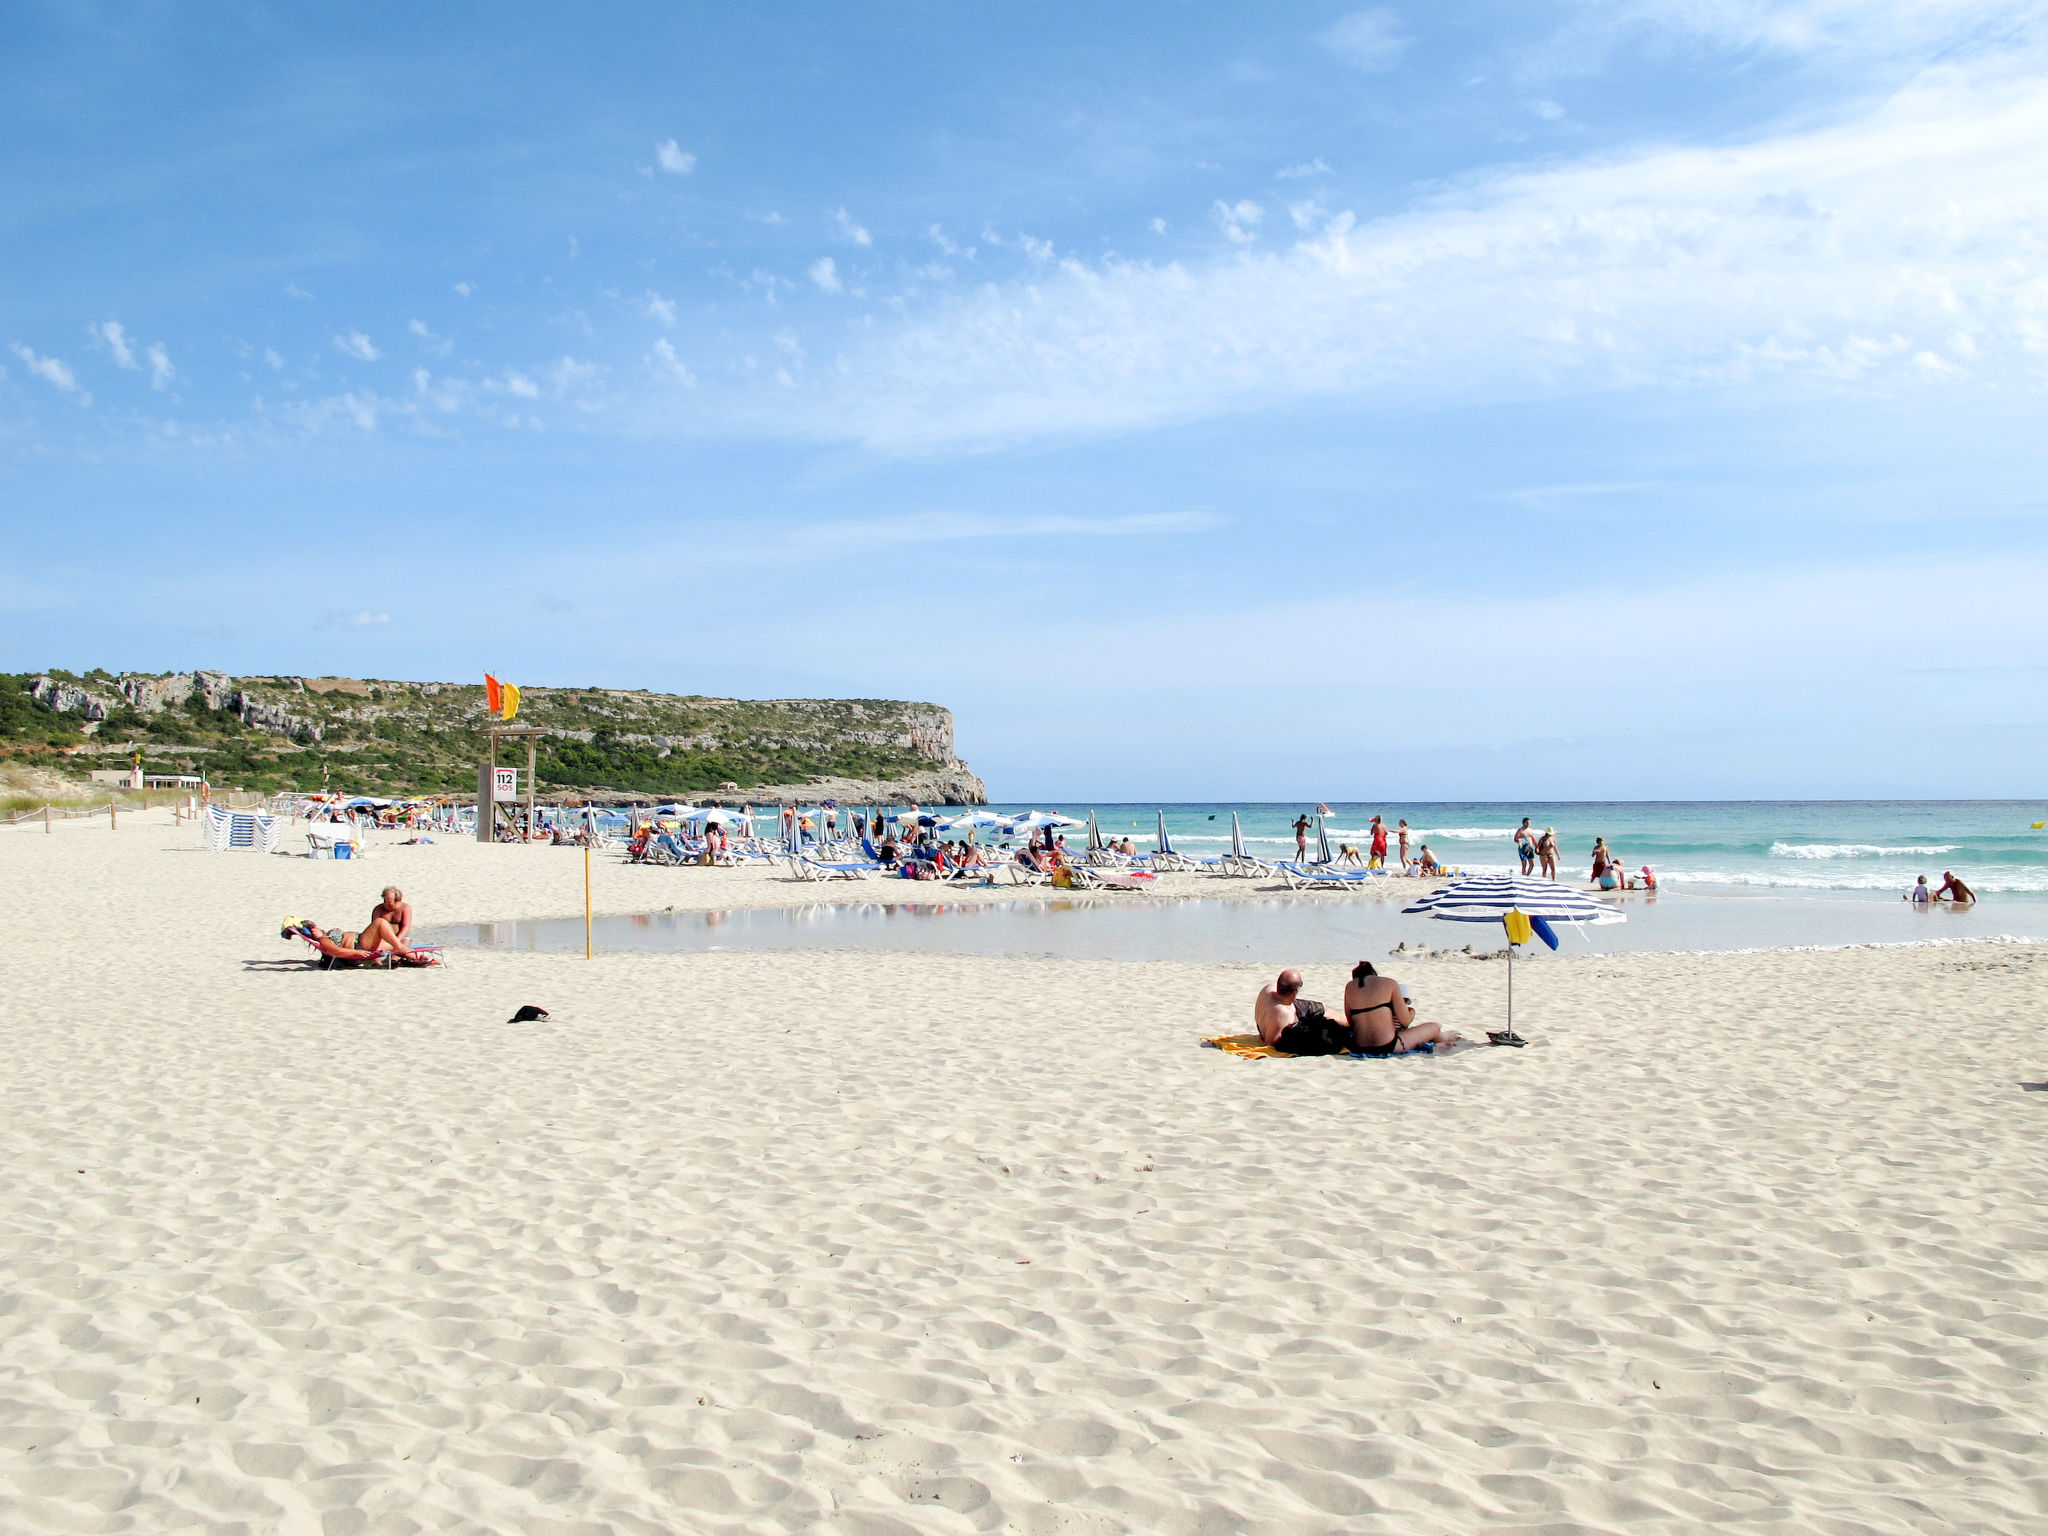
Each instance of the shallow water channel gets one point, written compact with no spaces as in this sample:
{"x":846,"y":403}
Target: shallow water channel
{"x":1317,"y":928}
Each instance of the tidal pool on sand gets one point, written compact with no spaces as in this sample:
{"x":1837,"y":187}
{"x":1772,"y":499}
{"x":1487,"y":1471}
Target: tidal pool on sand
{"x":1321,"y":929}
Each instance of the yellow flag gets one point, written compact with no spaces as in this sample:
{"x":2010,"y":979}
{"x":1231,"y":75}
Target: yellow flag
{"x":1517,"y":923}
{"x":511,"y":692}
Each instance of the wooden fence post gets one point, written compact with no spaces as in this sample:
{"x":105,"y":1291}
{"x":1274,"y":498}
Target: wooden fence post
{"x":46,"y":817}
{"x":113,"y":814}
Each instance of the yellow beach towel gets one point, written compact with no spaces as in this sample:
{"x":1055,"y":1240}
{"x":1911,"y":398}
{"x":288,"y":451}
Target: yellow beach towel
{"x":1249,"y":1046}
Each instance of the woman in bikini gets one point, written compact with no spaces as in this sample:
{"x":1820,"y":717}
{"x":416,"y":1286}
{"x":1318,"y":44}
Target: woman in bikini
{"x":1380,"y":1017}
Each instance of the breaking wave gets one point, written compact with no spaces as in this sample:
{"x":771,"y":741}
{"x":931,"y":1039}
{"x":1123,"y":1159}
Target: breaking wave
{"x":1856,"y":850}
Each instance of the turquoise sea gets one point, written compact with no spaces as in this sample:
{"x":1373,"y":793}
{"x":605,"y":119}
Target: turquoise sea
{"x":1783,"y":845}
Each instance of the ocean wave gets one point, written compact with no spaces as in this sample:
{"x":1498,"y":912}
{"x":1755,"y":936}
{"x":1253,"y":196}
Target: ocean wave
{"x":1425,"y":833}
{"x":2031,"y":882}
{"x":1856,"y":850}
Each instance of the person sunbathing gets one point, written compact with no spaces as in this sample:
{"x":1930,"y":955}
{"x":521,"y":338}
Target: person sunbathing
{"x":1380,"y":1016}
{"x":389,"y":926}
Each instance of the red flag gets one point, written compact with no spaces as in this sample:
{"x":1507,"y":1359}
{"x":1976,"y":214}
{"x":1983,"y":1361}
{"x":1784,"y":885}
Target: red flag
{"x":494,"y":693}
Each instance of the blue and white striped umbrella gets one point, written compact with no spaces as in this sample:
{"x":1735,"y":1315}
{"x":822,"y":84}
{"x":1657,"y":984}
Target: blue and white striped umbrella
{"x":1236,"y":838}
{"x":1322,"y":844}
{"x":1165,"y":843}
{"x":1489,"y":898}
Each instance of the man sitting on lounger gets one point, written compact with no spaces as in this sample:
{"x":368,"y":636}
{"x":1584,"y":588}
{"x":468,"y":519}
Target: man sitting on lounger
{"x":390,"y":923}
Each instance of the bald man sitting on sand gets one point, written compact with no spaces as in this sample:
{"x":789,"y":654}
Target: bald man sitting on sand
{"x":1298,"y":1025}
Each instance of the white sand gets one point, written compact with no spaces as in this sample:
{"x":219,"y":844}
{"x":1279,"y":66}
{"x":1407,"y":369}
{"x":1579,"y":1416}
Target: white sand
{"x":750,"y":1242}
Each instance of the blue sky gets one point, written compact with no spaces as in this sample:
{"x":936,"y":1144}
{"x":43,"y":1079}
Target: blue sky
{"x":1625,"y":398}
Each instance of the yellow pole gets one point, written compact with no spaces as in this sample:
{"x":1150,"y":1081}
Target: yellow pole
{"x":586,"y":901}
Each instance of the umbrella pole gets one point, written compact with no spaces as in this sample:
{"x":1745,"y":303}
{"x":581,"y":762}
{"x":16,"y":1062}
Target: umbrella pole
{"x":1512,"y":947}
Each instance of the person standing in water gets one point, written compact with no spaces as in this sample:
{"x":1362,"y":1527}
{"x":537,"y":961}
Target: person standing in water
{"x":1546,"y":852}
{"x":1525,"y":846}
{"x":1301,"y":838}
{"x":1378,"y":859}
{"x":1403,"y":833}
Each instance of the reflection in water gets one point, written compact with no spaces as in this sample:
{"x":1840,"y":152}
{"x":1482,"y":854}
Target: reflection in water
{"x":1285,"y":929}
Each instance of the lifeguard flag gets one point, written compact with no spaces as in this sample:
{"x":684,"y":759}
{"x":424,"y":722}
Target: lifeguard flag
{"x":511,"y":693}
{"x":494,"y":694}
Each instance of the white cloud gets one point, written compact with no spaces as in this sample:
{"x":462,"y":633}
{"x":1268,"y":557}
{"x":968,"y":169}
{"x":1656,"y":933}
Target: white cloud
{"x":1821,"y":259}
{"x":1239,"y":220}
{"x":1301,"y":172}
{"x":54,"y":372}
{"x":1038,"y":250}
{"x":339,"y":618}
{"x":571,"y":373}
{"x":1370,"y":40}
{"x":672,"y":365}
{"x":517,"y":383}
{"x":1549,"y":111}
{"x":1896,"y":27}
{"x":355,"y":344}
{"x":294,"y":291}
{"x":952,"y":527}
{"x":937,"y":236}
{"x":674,"y":159}
{"x":110,"y":334}
{"x":825,"y":273}
{"x":1307,"y":214}
{"x":270,"y":356}
{"x":465,"y":289}
{"x":440,"y":346}
{"x":659,"y":308}
{"x":1159,"y":226}
{"x":851,"y":230}
{"x":160,"y":370}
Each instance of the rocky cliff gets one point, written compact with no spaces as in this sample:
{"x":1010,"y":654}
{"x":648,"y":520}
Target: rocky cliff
{"x":387,"y":735}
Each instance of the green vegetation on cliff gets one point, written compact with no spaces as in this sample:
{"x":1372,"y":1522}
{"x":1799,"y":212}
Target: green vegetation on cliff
{"x":384,"y":737}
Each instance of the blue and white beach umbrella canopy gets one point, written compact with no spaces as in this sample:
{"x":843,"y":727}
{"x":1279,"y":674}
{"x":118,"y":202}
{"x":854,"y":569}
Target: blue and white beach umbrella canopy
{"x":715,"y":813}
{"x":968,"y":820}
{"x":1164,"y":843}
{"x":1489,"y":898}
{"x":1236,"y":838}
{"x":1031,"y":821}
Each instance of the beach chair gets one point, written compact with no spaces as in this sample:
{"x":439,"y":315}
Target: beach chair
{"x":1317,"y":878}
{"x":330,"y":956}
{"x":1095,"y":877}
{"x":333,"y":840}
{"x":804,"y":867}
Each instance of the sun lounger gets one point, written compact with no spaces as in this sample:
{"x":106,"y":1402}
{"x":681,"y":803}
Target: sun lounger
{"x":1089,"y":878}
{"x":331,"y":956}
{"x":804,"y":867}
{"x":1316,"y":878}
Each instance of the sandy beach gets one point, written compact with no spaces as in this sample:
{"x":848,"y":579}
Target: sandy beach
{"x":869,"y":1243}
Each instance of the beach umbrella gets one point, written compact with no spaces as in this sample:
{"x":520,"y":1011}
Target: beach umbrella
{"x":716,"y":813}
{"x":1164,"y":844}
{"x":1030,"y":821}
{"x":1522,"y":906}
{"x":1322,"y":842}
{"x":1094,"y":835}
{"x":969,"y":820}
{"x":1236,"y":838}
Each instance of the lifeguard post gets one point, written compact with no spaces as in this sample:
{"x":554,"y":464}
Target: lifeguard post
{"x":487,"y":796}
